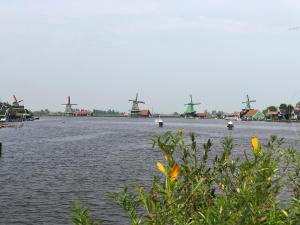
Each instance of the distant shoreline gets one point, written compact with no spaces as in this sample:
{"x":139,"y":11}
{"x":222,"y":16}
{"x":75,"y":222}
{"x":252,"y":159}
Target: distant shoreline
{"x":163,"y":116}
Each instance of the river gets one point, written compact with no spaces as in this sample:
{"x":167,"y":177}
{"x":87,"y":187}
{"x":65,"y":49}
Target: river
{"x":47,"y":164}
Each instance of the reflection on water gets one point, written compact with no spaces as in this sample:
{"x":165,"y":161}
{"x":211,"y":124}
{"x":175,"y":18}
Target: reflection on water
{"x":48,"y":163}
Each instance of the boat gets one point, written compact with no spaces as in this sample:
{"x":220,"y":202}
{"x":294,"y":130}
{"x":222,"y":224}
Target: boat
{"x":230,"y":125}
{"x":160,"y":122}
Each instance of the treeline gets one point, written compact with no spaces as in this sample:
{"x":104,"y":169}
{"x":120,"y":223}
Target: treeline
{"x":97,"y":112}
{"x":285,"y":111}
{"x":43,"y":112}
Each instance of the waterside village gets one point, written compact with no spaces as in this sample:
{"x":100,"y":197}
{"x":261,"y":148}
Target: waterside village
{"x":15,"y":112}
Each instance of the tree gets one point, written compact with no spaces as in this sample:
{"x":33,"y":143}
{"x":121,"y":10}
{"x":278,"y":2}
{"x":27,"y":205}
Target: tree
{"x":290,"y":110}
{"x":286,"y":110}
{"x":272,"y":108}
{"x":208,"y":115}
{"x":283,"y":110}
{"x":214,"y":114}
{"x":220,"y":114}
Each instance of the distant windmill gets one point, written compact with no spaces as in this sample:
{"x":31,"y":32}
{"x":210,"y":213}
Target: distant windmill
{"x":16,"y":102}
{"x":68,"y":109}
{"x":135,"y":106}
{"x":190,"y":111}
{"x":248,"y":103}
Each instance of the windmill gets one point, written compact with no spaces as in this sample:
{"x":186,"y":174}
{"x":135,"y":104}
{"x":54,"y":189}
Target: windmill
{"x":248,"y":103}
{"x":15,"y":102}
{"x":190,"y":111}
{"x":68,"y":109}
{"x":135,"y":106}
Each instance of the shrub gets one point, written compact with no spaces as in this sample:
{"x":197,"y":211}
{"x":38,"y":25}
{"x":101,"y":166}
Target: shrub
{"x":81,"y":215}
{"x":195,"y":190}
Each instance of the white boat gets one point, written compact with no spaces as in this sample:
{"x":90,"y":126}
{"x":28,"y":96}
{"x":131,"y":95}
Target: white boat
{"x":230,"y":125}
{"x":159,"y":122}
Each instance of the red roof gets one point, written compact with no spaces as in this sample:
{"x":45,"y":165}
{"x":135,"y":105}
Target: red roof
{"x":201,"y":114}
{"x":251,"y":112}
{"x":82,"y":112}
{"x":145,"y":112}
{"x":296,"y":109}
{"x":270,"y":113}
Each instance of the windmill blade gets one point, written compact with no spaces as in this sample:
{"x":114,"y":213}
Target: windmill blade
{"x":15,"y":98}
{"x":140,"y":102}
{"x":197,"y":103}
{"x":20,"y":101}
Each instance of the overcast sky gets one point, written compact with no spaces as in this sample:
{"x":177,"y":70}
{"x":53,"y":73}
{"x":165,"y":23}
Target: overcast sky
{"x":102,"y":52}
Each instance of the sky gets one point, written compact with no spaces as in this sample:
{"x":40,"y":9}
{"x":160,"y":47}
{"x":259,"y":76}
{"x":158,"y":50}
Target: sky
{"x":102,"y":53}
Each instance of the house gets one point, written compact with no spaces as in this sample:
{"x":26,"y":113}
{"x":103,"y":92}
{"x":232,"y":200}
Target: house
{"x":270,"y":115}
{"x":237,"y":114}
{"x":144,"y":113}
{"x":297,"y":112}
{"x":254,"y":114}
{"x":233,"y":116}
{"x":201,"y":115}
{"x":82,"y":112}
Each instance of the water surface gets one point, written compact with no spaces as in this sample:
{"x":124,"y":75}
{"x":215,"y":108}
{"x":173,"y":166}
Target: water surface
{"x":49,"y":163}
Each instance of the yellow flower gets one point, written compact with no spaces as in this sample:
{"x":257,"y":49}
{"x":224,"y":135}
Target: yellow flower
{"x":221,"y":186}
{"x":180,"y":131}
{"x":174,"y":172}
{"x":161,"y":168}
{"x":255,"y":146}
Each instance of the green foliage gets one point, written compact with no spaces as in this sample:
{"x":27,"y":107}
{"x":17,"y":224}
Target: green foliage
{"x":97,"y":112}
{"x":81,"y":215}
{"x":272,"y":108}
{"x":223,"y":190}
{"x":41,"y":112}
